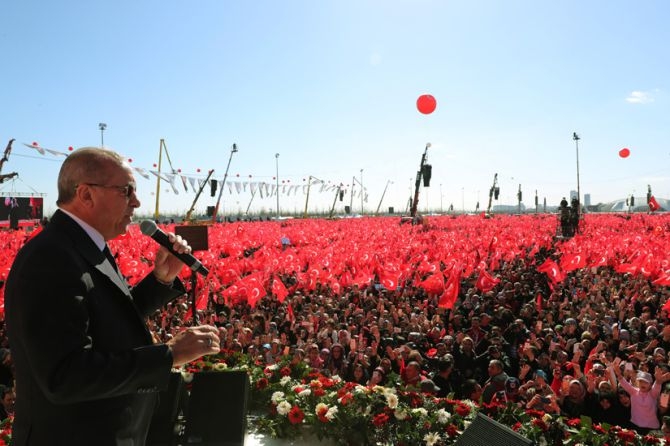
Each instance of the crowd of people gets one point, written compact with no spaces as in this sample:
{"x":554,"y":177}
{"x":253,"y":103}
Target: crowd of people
{"x":595,"y":345}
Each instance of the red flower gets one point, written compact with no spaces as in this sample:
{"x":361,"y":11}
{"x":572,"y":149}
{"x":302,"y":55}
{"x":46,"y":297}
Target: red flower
{"x":319,"y":392}
{"x":262,"y":383}
{"x":650,"y":439}
{"x":462,"y":409}
{"x":344,"y":399}
{"x":380,"y":419}
{"x":517,"y":426}
{"x":574,"y":422}
{"x":326,"y":382}
{"x":285,"y":371}
{"x":539,"y":422}
{"x":598,"y":428}
{"x":295,"y":415}
{"x":626,"y":435}
{"x":321,"y":415}
{"x":452,"y":430}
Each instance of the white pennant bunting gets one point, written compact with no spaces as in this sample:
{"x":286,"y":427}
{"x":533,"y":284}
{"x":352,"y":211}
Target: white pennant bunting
{"x":141,"y":172}
{"x":160,"y":175}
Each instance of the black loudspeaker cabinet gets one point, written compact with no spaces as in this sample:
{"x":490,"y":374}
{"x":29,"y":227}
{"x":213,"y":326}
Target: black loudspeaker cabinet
{"x":163,"y":423}
{"x":217,"y":409}
{"x":484,"y":431}
{"x":347,"y":209}
{"x":391,"y":209}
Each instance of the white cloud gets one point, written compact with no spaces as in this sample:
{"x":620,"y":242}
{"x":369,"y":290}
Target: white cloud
{"x":640,"y":97}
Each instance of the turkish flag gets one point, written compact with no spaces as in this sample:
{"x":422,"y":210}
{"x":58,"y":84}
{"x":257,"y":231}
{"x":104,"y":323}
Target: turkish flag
{"x":451,"y":290}
{"x":571,"y":262}
{"x":255,"y":289}
{"x":389,"y":278}
{"x":653,"y":204}
{"x":663,"y":280}
{"x":486,"y":282}
{"x":434,"y":284}
{"x":291,"y":315}
{"x":626,"y":268}
{"x":279,"y":290}
{"x":552,"y":270}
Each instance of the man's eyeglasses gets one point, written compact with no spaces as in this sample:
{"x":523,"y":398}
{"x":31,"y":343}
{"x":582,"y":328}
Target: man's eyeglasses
{"x":127,"y":190}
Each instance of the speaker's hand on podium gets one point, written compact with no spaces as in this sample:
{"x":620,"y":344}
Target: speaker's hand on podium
{"x":192,"y":343}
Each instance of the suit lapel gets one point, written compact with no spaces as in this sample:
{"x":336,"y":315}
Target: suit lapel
{"x":88,"y":250}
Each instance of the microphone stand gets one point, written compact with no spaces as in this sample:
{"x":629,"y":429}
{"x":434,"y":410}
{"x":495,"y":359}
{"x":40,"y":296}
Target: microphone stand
{"x":194,"y":284}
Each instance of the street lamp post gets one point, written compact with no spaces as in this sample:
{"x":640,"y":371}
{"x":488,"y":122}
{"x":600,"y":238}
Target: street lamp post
{"x":440,"y":198}
{"x":576,"y":138}
{"x":102,"y":126}
{"x":277,"y":176}
{"x":463,"y":200}
{"x":362,"y":192}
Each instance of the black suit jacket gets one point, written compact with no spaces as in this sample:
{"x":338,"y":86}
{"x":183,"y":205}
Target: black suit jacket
{"x":87,"y":371}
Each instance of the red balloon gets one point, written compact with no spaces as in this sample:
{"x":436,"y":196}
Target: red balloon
{"x":154,"y":164}
{"x":198,"y":170}
{"x":623,"y":153}
{"x":426,"y":104}
{"x":70,"y":148}
{"x":130,"y":160}
{"x":179,"y":170}
{"x":35,"y":144}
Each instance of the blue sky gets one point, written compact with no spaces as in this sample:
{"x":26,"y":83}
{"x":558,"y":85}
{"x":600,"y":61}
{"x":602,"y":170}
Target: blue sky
{"x":332,"y":87}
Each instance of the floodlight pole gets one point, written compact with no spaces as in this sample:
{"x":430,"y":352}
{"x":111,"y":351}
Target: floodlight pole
{"x":576,"y":138}
{"x":102,"y":126}
{"x":383,"y":193}
{"x":417,"y":183}
{"x":225,"y":176}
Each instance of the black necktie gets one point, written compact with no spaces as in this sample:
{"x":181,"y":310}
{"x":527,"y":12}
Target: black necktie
{"x":110,"y":257}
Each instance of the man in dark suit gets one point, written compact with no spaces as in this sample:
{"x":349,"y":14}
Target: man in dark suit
{"x":87,"y":370}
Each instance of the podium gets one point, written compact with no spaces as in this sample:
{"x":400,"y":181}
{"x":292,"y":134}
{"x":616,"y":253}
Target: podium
{"x":213,"y":413}
{"x":217,"y":409}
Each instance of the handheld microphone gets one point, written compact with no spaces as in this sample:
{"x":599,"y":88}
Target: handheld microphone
{"x":149,"y":228}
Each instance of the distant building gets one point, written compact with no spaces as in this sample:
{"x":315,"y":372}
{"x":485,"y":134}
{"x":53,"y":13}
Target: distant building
{"x":623,"y":205}
{"x":587,"y":200}
{"x":573,"y":194}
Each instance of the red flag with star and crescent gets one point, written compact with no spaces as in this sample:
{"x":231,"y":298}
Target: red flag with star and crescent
{"x":486,"y":282}
{"x":552,"y":270}
{"x":279,"y":290}
{"x":451,"y":290}
{"x":573,"y":261}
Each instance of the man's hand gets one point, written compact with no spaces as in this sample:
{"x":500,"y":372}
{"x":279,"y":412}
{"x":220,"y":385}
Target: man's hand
{"x":192,"y":343}
{"x":167,"y":266}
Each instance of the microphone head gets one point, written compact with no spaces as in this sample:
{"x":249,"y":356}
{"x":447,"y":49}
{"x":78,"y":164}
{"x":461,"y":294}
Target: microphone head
{"x":148,"y":227}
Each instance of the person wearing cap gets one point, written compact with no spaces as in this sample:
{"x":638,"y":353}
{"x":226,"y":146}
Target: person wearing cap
{"x":644,"y":392}
{"x":511,"y":393}
{"x":428,"y":387}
